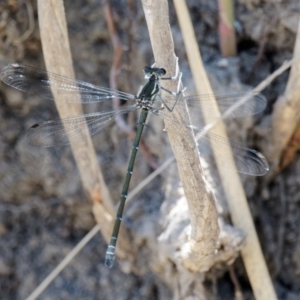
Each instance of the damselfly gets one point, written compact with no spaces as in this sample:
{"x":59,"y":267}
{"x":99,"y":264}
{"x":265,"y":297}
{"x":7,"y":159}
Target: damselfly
{"x":61,"y":132}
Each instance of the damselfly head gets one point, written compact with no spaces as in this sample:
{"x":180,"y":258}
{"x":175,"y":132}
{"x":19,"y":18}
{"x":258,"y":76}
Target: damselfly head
{"x":148,"y":71}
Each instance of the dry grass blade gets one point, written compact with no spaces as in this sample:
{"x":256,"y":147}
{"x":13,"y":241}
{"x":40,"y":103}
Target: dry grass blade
{"x":286,"y":115}
{"x":198,"y":254}
{"x":57,"y":54}
{"x":226,"y":28}
{"x":58,"y":59}
{"x":46,"y":282}
{"x":30,"y":30}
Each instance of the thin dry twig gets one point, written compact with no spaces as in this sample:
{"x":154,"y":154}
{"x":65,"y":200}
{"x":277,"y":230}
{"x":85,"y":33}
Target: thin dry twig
{"x":261,"y":49}
{"x":131,"y":38}
{"x":281,"y":226}
{"x":286,"y":65}
{"x":115,"y":68}
{"x":270,"y":22}
{"x":46,"y":282}
{"x":30,"y":29}
{"x":237,"y":287}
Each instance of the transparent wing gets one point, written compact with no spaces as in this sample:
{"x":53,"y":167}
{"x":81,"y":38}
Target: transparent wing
{"x":37,"y":82}
{"x":247,"y":161}
{"x":253,"y":103}
{"x":61,"y":132}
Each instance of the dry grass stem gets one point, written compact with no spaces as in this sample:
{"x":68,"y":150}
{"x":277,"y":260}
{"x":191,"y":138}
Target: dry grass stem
{"x":226,"y":28}
{"x":198,"y":253}
{"x":240,"y":213}
{"x":57,"y":55}
{"x":286,"y":115}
